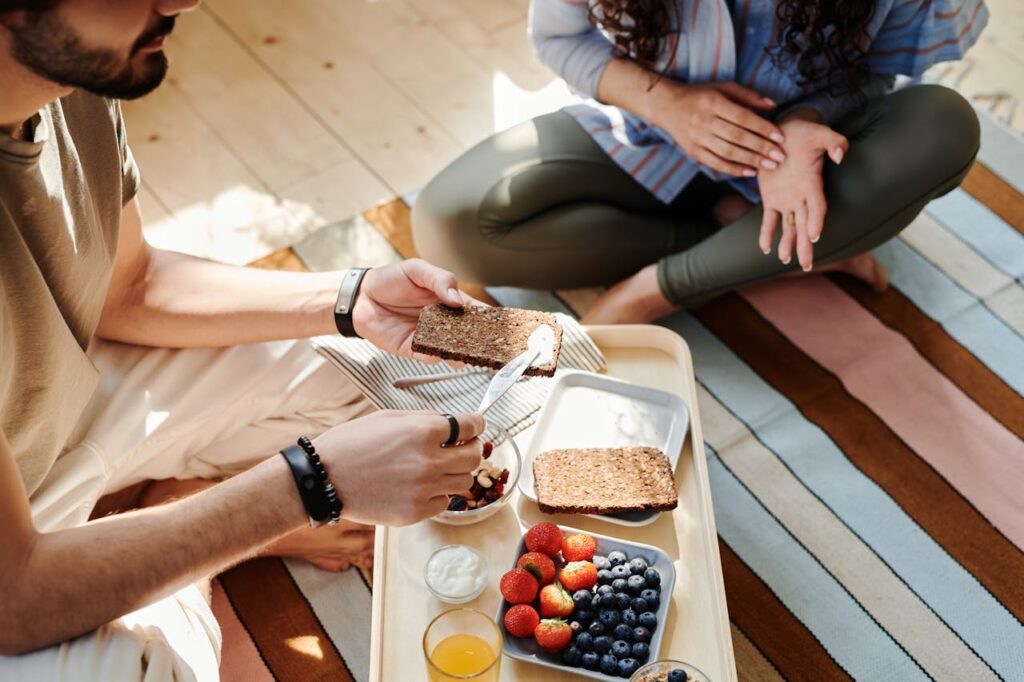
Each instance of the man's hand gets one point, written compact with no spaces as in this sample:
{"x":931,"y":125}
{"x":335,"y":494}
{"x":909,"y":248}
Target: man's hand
{"x":795,"y":191}
{"x":390,"y":299}
{"x":715,"y":124}
{"x":390,"y":468}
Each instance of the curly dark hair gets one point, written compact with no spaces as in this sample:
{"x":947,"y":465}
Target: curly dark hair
{"x":827,"y":39}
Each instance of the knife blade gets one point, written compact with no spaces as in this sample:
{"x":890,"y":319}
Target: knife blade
{"x":542,"y":339}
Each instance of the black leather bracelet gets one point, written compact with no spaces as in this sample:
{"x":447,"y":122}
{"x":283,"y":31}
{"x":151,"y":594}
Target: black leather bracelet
{"x":346,"y":302}
{"x":310,"y":485}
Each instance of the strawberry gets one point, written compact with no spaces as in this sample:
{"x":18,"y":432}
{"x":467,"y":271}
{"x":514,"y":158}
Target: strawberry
{"x":545,"y":538}
{"x":521,"y":620}
{"x":555,"y":601}
{"x":578,"y":575}
{"x":518,"y":586}
{"x":579,"y":547}
{"x":553,"y":635}
{"x":539,"y":565}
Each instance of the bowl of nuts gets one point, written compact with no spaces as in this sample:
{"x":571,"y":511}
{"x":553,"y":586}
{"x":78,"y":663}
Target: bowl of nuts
{"x":494,"y":480}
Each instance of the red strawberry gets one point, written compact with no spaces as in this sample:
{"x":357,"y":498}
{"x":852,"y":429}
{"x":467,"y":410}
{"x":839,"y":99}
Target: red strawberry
{"x":545,"y":538}
{"x":521,"y":620}
{"x":553,"y":635}
{"x":579,"y":547}
{"x":539,"y":565}
{"x":578,"y":575}
{"x":518,"y":586}
{"x":555,"y":601}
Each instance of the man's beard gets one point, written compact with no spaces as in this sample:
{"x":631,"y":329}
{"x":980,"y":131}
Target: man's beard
{"x":51,"y":49}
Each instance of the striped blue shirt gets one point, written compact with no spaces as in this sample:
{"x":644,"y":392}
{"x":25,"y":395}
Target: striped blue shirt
{"x":727,"y":40}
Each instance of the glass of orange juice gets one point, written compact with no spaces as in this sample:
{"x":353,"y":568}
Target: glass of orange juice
{"x":462,"y":644}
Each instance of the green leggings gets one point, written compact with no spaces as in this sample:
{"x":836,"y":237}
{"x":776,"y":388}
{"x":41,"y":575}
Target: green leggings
{"x":541,"y":205}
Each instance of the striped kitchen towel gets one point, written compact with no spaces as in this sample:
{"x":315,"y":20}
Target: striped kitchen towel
{"x":374,"y":370}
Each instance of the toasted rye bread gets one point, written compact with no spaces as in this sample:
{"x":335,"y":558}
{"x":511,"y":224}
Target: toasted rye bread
{"x":485,"y":337}
{"x":604,"y":481}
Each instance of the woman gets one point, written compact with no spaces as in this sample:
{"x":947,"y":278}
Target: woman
{"x":704,"y":126}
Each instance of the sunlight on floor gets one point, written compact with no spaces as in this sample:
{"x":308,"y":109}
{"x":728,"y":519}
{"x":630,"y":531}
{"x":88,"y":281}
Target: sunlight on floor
{"x":512,"y":104}
{"x":306,"y":644}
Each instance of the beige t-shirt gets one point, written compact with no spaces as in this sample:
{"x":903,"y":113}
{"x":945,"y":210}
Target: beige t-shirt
{"x":61,"y":195}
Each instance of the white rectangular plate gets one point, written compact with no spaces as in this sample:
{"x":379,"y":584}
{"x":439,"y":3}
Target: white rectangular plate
{"x":526,"y":648}
{"x":587,"y":410}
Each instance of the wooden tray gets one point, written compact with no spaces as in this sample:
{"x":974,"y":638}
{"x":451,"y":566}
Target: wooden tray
{"x":697,"y":627}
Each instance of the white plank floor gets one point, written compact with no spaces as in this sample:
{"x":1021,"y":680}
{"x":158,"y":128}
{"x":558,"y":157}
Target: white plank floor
{"x":281,"y":116}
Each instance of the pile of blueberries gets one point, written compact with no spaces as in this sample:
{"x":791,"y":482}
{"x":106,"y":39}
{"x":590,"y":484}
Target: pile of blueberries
{"x":612,"y":624}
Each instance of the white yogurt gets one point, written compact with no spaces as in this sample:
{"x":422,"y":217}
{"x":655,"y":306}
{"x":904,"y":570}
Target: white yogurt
{"x":456,"y":573}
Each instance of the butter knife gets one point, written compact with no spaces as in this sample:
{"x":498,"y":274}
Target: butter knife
{"x":542,"y":339}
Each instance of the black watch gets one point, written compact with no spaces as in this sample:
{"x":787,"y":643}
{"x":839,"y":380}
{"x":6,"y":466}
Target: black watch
{"x":346,"y":302}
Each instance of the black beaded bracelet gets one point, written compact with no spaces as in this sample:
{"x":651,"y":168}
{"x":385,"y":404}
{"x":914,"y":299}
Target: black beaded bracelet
{"x":318,"y":495}
{"x":330,"y":494}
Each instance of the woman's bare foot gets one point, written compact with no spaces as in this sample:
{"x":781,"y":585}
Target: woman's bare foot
{"x":864,"y":267}
{"x":637,"y":300}
{"x":331,"y":548}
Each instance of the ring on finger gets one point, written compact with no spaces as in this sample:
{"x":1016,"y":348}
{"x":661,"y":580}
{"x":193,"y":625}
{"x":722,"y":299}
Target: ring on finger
{"x":453,"y":429}
{"x":791,"y":218}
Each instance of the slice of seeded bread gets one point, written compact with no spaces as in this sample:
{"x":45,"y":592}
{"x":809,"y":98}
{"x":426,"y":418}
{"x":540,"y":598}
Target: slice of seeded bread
{"x":604,"y":481}
{"x":485,"y":337}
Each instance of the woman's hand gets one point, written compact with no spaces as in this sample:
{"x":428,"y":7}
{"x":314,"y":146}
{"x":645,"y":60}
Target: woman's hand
{"x":390,"y":299}
{"x":715,"y":125}
{"x":795,"y":191}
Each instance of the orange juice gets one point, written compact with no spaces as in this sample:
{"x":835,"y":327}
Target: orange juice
{"x":460,"y":656}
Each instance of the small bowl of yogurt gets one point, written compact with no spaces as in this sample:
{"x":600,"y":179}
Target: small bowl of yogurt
{"x":456,"y":574}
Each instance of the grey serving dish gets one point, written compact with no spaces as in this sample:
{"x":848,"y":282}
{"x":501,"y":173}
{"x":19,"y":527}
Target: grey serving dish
{"x":526,"y":649}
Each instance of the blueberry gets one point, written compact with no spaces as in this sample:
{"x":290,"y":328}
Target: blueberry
{"x":610,"y":617}
{"x":605,"y":589}
{"x":637,"y":566}
{"x":619,"y":585}
{"x":652,"y":577}
{"x":457,"y":503}
{"x":651,"y":597}
{"x":677,"y":675}
{"x":590,"y":660}
{"x":598,"y":601}
{"x":621,"y":649}
{"x":609,"y":664}
{"x":572,"y":656}
{"x":623,"y":632}
{"x":584,"y":616}
{"x":628,"y":666}
{"x":636,"y":584}
{"x":585,"y":642}
{"x":641,"y":634}
{"x":620,"y":571}
{"x":639,"y":604}
{"x":630,"y":618}
{"x":581,"y":598}
{"x":648,"y":620}
{"x":604,"y":577}
{"x":601,"y":562}
{"x":621,"y":602}
{"x":641,"y":651}
{"x":596,"y":628}
{"x":616,"y":558}
{"x":575,"y":627}
{"x":602,"y":644}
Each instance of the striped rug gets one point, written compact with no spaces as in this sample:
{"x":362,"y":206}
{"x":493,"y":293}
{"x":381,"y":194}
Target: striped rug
{"x":866,"y":454}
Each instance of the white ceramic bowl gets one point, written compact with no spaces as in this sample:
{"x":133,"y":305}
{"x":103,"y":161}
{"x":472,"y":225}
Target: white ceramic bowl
{"x":504,"y":456}
{"x":456,"y":599}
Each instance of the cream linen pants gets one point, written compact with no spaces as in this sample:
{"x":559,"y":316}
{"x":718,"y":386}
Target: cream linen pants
{"x":161,"y":413}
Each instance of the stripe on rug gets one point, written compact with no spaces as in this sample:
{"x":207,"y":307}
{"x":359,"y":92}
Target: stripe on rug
{"x":865,"y":452}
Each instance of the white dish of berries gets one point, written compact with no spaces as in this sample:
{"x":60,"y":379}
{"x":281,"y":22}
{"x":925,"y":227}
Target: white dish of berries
{"x":586,"y":410}
{"x":586,"y":603}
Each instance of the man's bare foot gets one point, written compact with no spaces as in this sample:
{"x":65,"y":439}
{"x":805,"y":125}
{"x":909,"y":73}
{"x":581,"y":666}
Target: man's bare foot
{"x":331,"y":548}
{"x":864,"y":267}
{"x":637,"y":300}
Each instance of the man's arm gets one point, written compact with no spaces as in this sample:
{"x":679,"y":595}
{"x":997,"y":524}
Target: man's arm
{"x":169,"y":299}
{"x":62,"y":584}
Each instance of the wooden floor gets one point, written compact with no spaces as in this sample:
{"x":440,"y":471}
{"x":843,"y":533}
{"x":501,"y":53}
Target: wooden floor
{"x":281,"y":116}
